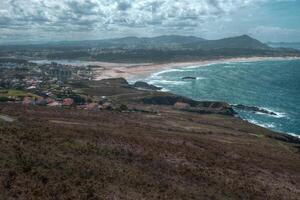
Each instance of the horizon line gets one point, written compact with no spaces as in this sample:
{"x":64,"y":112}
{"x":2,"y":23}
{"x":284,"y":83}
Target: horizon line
{"x":37,"y":42}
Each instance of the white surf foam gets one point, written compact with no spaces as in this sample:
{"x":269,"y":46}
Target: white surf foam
{"x":166,"y":82}
{"x":270,"y":126}
{"x":294,"y":135}
{"x":201,"y":65}
{"x":278,"y":114}
{"x":265,"y":125}
{"x":165,"y":90}
{"x":167,"y":70}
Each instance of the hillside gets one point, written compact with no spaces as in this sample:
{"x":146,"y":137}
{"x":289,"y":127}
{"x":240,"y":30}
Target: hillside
{"x":152,"y":150}
{"x":240,"y":42}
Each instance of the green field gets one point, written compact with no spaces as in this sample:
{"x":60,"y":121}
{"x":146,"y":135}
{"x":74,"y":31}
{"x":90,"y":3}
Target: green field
{"x":16,"y":93}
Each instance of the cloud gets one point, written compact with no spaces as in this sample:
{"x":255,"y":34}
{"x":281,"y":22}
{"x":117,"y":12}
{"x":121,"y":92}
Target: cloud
{"x":275,"y":33}
{"x":126,"y":12}
{"x":60,"y":17}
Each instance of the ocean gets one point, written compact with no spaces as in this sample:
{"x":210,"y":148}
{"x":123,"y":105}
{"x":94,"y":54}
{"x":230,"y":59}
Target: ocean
{"x":270,"y":85}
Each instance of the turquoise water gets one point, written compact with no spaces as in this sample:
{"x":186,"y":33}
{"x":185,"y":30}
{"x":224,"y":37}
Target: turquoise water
{"x":272,"y":85}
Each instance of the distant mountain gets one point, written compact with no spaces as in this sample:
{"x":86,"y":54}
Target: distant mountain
{"x":160,"y":42}
{"x":283,"y":43}
{"x":174,"y":42}
{"x":244,"y":42}
{"x":168,"y":42}
{"x":293,"y":45}
{"x":155,"y":49}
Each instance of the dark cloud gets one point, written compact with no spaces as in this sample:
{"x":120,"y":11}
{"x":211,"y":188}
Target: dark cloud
{"x":84,"y":8}
{"x":123,"y":6}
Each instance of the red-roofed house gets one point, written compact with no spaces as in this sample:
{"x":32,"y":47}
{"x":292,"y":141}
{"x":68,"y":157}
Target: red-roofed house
{"x":28,"y":101}
{"x":68,"y":102}
{"x":181,"y":105}
{"x":92,"y":106}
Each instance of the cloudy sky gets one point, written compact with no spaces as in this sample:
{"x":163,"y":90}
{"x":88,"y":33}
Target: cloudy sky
{"x":29,"y":21}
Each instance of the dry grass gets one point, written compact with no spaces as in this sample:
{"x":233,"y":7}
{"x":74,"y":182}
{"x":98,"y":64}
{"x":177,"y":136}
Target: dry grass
{"x":174,"y":155}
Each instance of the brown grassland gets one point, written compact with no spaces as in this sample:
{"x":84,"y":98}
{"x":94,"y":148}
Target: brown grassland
{"x":150,"y":152}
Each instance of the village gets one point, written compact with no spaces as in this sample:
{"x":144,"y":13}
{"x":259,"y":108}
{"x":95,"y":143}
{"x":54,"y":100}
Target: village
{"x":47,"y":85}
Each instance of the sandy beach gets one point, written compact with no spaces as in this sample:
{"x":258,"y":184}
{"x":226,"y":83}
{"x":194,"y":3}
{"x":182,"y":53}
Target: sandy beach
{"x":133,"y":71}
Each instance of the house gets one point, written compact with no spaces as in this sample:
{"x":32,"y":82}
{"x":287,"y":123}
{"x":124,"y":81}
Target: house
{"x":28,"y":101}
{"x":41,"y":101}
{"x":81,"y":107}
{"x":54,"y":104}
{"x":181,"y":105}
{"x":31,"y":87}
{"x":68,"y":102}
{"x":92,"y":106}
{"x":107,"y":106}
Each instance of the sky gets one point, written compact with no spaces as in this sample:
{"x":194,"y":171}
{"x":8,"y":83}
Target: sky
{"x":38,"y":21}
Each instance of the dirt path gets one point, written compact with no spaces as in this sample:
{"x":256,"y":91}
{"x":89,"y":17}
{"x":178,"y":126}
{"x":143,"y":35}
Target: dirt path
{"x":6,"y":118}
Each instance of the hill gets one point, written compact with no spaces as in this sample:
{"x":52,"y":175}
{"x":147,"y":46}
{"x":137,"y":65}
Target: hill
{"x":170,"y":42}
{"x":240,"y":42}
{"x":156,"y":49}
{"x":152,"y":150}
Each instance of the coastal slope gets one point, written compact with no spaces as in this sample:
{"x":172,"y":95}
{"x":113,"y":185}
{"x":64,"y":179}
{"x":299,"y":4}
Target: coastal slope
{"x":152,"y":149}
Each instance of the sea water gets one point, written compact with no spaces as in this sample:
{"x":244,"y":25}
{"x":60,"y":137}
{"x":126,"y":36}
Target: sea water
{"x":271,"y":85}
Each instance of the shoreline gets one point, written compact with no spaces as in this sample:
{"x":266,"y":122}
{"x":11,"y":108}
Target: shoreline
{"x":132,"y":71}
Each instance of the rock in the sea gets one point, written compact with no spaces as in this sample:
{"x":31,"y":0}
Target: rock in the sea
{"x":189,"y":78}
{"x":253,"y":109}
{"x":144,"y":85}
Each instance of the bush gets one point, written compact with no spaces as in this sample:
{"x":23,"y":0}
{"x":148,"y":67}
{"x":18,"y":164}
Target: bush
{"x":123,"y":107}
{"x":4,"y":99}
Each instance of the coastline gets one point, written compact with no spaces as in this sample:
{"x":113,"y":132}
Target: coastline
{"x":134,"y":71}
{"x":138,"y":72}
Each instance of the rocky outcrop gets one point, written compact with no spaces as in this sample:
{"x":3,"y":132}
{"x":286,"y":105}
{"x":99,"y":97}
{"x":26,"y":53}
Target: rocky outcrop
{"x":167,"y":99}
{"x":253,"y":109}
{"x":189,"y":78}
{"x":146,"y":86}
{"x":201,"y":107}
{"x":115,"y":81}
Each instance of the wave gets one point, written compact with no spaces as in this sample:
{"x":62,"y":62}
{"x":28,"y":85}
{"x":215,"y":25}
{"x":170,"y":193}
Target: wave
{"x":278,"y":114}
{"x":265,"y":125}
{"x":188,"y":68}
{"x":165,"y":90}
{"x":154,"y":82}
{"x":201,"y":65}
{"x":270,"y":126}
{"x":294,"y":135}
{"x":157,"y":74}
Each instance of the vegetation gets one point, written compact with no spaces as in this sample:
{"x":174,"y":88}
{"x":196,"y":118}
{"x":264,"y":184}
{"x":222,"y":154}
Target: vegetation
{"x":15,"y":93}
{"x":73,"y":154}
